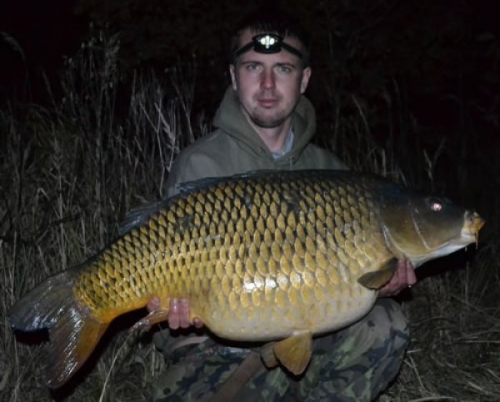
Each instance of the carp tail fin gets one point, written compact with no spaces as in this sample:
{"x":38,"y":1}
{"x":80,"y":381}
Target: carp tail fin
{"x":74,"y":332}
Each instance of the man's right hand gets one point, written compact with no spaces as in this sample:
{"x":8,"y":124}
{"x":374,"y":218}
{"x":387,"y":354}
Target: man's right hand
{"x":178,"y":314}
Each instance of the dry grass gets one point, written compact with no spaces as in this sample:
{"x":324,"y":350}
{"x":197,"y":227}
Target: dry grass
{"x":455,"y":336}
{"x":69,"y":174}
{"x":68,"y":177}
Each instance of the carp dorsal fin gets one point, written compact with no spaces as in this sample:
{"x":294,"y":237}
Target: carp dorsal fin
{"x":377,"y":279}
{"x":138,"y":216}
{"x":294,"y":352}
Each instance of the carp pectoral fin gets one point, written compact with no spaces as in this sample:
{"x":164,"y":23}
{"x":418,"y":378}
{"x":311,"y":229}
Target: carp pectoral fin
{"x":152,"y":318}
{"x":295,"y":352}
{"x":377,"y":279}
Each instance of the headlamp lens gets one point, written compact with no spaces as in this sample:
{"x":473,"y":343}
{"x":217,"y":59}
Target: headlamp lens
{"x":267,"y":43}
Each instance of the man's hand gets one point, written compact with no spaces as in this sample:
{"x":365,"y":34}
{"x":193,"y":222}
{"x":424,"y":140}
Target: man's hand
{"x":402,"y":278}
{"x":178,"y":314}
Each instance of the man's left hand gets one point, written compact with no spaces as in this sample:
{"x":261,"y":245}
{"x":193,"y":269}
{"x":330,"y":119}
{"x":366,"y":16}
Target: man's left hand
{"x":403,"y":277}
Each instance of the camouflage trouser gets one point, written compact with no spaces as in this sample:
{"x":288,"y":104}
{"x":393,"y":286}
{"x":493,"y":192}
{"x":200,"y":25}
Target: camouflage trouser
{"x":354,"y":364}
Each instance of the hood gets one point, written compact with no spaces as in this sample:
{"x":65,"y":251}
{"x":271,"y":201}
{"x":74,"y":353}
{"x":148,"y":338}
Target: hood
{"x":230,"y":119}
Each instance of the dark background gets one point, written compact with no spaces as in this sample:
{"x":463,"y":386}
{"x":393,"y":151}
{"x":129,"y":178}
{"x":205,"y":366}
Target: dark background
{"x":46,"y":32}
{"x":161,"y":33}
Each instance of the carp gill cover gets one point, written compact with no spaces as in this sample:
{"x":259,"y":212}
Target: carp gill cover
{"x":265,"y":256}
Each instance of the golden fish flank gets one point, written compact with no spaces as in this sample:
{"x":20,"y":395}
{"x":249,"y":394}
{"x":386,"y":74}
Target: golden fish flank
{"x":264,"y":256}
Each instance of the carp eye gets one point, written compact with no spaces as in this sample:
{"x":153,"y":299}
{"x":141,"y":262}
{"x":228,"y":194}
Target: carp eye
{"x":435,"y":204}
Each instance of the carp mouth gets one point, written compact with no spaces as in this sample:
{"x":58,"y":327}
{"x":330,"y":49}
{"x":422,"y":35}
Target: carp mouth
{"x":472,"y":225}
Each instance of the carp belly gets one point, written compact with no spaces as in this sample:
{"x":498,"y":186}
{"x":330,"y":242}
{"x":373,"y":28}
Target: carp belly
{"x":265,"y":316}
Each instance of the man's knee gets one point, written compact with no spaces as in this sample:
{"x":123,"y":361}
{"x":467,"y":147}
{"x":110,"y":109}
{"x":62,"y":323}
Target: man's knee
{"x":358,"y":362}
{"x":388,"y":326}
{"x":381,"y":334}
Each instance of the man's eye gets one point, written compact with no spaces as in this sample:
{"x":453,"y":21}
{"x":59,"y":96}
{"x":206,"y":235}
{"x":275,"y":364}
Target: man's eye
{"x":251,"y":67}
{"x":285,"y":69}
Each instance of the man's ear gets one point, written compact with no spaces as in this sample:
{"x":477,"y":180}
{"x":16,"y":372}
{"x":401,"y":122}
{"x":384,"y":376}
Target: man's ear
{"x":233,"y":77}
{"x":306,"y":74}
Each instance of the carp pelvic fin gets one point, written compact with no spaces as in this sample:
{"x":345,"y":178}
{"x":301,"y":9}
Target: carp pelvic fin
{"x":73,"y":331}
{"x":295,"y":352}
{"x":375,"y":280}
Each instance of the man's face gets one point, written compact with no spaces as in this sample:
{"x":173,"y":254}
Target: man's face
{"x":268,"y":85}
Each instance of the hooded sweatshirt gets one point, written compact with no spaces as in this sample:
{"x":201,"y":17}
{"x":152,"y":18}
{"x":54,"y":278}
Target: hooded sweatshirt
{"x":234,"y":147}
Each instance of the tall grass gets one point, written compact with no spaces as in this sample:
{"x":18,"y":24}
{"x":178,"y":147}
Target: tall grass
{"x":70,"y":173}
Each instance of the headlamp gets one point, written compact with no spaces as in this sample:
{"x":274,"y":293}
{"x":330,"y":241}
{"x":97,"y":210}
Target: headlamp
{"x":267,"y":43}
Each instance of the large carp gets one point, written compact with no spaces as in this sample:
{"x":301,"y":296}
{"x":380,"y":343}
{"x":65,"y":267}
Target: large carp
{"x":266,"y":256}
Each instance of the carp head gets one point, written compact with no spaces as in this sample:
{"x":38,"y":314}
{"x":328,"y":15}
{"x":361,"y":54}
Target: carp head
{"x":422,"y":227}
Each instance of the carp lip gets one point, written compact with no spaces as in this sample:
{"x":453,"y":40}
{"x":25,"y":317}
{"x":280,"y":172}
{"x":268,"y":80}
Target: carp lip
{"x":472,"y":226}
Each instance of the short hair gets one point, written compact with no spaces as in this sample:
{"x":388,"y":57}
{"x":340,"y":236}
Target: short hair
{"x":273,"y":21}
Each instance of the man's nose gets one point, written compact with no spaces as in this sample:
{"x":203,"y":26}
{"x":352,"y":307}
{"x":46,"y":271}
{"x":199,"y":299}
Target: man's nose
{"x":268,"y":79}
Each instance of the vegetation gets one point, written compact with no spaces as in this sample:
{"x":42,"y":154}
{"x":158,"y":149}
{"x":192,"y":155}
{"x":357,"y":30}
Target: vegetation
{"x":70,"y":171}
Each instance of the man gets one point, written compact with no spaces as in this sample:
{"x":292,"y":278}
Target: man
{"x":265,"y":122}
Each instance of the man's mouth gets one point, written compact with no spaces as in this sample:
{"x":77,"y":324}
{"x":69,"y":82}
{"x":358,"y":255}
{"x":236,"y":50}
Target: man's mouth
{"x":267,"y":102}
